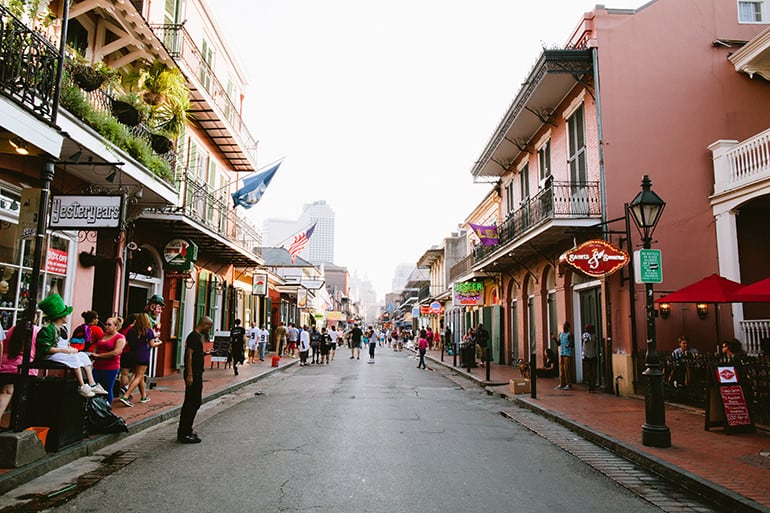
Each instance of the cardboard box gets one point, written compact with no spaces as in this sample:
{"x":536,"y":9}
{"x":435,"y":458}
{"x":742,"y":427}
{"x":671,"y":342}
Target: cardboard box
{"x":520,"y":386}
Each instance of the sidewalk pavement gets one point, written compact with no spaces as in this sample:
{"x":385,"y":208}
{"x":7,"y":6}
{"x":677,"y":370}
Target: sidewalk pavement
{"x":166,"y":399}
{"x":733,"y":470}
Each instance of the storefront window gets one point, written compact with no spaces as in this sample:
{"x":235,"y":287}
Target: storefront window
{"x":16,"y":271}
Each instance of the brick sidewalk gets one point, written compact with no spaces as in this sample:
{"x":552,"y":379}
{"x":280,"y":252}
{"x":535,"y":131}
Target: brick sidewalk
{"x":729,"y":465}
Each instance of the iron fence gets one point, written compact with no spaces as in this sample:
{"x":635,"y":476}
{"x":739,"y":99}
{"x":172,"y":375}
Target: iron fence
{"x":28,"y":63}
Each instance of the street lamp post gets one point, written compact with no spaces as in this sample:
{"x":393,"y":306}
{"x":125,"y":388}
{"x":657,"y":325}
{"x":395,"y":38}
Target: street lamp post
{"x":646,"y":208}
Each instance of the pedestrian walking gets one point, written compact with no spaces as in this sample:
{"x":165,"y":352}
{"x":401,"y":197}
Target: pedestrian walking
{"x":315,"y":345}
{"x":293,"y":336}
{"x":566,"y":344}
{"x":481,"y":339}
{"x":193,"y":380}
{"x":355,"y":342}
{"x":264,"y":336}
{"x":140,"y":339}
{"x":422,"y":346}
{"x":281,"y":333}
{"x":326,"y":343}
{"x":304,"y":346}
{"x":373,"y":341}
{"x":252,"y":337}
{"x":237,"y":334}
{"x":334,"y":335}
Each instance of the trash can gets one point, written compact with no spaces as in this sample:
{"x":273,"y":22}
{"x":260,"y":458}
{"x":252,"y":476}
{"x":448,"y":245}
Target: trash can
{"x":56,"y":404}
{"x":467,"y":355}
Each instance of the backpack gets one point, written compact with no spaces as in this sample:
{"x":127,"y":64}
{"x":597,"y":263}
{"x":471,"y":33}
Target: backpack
{"x":81,"y":338}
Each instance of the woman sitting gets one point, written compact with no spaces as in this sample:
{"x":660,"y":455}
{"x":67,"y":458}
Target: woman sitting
{"x":12,"y":356}
{"x":51,"y":346}
{"x":550,"y":367}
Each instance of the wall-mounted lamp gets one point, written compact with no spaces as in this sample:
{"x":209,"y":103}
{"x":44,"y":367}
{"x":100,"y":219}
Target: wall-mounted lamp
{"x":702,"y":309}
{"x":189,"y":283}
{"x":20,"y":146}
{"x":665,"y":310}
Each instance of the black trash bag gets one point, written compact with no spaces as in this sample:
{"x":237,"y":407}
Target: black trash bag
{"x":100,"y":419}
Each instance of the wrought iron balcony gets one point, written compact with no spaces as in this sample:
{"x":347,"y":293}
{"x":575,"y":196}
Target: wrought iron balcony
{"x":558,"y":201}
{"x":461,"y":268}
{"x":180,"y":45}
{"x":28,"y":65}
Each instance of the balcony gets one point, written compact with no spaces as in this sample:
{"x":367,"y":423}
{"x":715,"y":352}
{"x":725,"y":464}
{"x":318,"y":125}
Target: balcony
{"x":28,"y":65}
{"x":210,"y":221}
{"x":739,"y":165}
{"x":559,"y":207}
{"x":226,"y":128}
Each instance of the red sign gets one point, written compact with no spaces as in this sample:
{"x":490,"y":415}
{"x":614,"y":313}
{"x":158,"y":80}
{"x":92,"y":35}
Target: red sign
{"x":736,"y":411}
{"x":56,"y":261}
{"x":596,"y":258}
{"x":424,"y":309}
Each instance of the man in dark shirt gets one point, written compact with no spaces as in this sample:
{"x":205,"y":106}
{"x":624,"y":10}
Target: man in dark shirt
{"x":236,"y":344}
{"x":193,"y":380}
{"x":355,"y":344}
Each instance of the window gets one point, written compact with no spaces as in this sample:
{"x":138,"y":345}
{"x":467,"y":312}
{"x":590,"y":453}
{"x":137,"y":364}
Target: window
{"x":577,"y":147}
{"x":207,"y":52}
{"x":524,"y":183}
{"x":544,"y":161}
{"x":509,"y":197}
{"x":173,"y":12}
{"x":751,"y":12}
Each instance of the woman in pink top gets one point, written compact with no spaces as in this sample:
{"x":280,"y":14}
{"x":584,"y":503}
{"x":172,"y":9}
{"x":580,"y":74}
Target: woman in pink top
{"x":422,"y":344}
{"x":12,"y":355}
{"x":106,"y":355}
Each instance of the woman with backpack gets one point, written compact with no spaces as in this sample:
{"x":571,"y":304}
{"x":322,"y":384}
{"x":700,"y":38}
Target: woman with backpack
{"x":87,"y":333}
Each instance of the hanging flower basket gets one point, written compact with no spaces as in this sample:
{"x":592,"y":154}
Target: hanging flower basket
{"x":161,"y":144}
{"x":126,"y":113}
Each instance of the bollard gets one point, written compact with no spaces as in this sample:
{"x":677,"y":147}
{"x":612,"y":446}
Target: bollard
{"x":533,"y":375}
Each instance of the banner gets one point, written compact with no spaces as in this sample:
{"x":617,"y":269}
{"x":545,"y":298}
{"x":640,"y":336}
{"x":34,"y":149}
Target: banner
{"x":486,"y":234}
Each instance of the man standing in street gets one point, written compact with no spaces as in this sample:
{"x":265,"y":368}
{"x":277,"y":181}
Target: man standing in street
{"x":355,"y":342}
{"x":236,"y":344}
{"x":280,"y":338}
{"x":293,"y":336}
{"x":193,"y":380}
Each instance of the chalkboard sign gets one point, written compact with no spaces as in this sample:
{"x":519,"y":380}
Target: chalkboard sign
{"x":727,"y":404}
{"x":221,"y":349}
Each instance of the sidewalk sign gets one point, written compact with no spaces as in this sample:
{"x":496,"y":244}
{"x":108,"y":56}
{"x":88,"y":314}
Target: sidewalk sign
{"x":726,"y":406}
{"x":220,"y":353}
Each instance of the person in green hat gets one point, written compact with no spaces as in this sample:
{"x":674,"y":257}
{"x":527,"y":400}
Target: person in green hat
{"x":52,"y":346}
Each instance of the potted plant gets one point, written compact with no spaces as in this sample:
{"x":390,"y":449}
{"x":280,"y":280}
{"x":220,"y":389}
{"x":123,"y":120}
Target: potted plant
{"x":89,"y":77}
{"x":130,"y":109}
{"x":160,"y":82}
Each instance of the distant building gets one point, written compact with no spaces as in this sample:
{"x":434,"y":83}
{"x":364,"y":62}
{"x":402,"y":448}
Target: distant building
{"x":320,"y":249}
{"x":401,"y":276}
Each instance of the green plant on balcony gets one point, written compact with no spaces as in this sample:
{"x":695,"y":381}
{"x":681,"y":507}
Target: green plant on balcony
{"x":159,"y":83}
{"x":130,"y":109}
{"x":89,"y":77}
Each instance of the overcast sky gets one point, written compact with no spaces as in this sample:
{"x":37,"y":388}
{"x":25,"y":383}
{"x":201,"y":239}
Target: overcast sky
{"x":381,"y":108}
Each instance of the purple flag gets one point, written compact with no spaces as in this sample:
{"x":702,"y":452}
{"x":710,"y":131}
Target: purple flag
{"x":486,"y":234}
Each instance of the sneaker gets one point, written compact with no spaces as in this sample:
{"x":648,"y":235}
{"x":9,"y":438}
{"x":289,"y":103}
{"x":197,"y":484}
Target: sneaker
{"x":98,"y":389}
{"x":568,"y":387}
{"x":145,"y":399}
{"x":86,"y":391}
{"x":123,"y":399}
{"x":558,"y":387}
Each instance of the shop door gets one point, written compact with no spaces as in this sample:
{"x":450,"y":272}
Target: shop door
{"x":514,"y":331}
{"x":531,"y":335}
{"x":590,"y":313}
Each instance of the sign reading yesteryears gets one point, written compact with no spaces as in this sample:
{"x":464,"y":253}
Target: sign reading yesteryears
{"x":467,"y":293}
{"x":86,"y":212}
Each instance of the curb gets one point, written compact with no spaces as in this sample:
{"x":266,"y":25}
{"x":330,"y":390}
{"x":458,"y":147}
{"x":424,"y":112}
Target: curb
{"x":21,"y":475}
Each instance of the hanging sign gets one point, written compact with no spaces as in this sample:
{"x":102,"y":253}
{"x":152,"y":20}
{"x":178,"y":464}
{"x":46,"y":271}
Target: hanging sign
{"x":301,"y":298}
{"x":424,"y":309}
{"x":179,"y":255}
{"x":86,"y":212}
{"x":467,"y":293}
{"x":259,"y":284}
{"x":435,"y":308}
{"x":596,"y":258}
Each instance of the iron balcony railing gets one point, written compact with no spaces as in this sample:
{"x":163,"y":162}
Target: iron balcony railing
{"x":180,"y":45}
{"x":461,"y":268}
{"x":559,"y":200}
{"x":214,"y":212}
{"x":28,"y":65}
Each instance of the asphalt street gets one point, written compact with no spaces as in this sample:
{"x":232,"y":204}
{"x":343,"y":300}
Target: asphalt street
{"x":344,"y":437}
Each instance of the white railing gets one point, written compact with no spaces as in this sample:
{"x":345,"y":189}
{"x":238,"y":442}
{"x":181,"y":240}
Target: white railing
{"x":737,"y":164}
{"x":753,"y":332}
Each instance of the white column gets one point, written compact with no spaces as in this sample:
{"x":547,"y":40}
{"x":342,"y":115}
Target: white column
{"x":722,"y":169}
{"x":727,"y":253}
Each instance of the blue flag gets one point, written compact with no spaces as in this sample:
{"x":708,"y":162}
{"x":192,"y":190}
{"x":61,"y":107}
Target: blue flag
{"x":253,"y":188}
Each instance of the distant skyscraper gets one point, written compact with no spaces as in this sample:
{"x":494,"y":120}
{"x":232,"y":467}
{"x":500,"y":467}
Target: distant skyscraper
{"x":320,"y":249}
{"x":401,"y":276}
{"x":321,"y":246}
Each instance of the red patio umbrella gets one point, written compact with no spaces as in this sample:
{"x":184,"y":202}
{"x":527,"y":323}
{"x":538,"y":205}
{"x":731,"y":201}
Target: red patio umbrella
{"x":758,"y":292}
{"x":711,"y":289}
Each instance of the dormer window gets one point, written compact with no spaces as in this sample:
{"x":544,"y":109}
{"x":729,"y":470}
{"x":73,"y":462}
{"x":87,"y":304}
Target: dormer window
{"x":752,"y":12}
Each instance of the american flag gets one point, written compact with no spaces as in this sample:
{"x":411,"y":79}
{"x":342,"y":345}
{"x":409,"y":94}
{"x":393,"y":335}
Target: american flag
{"x":300,"y":241}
